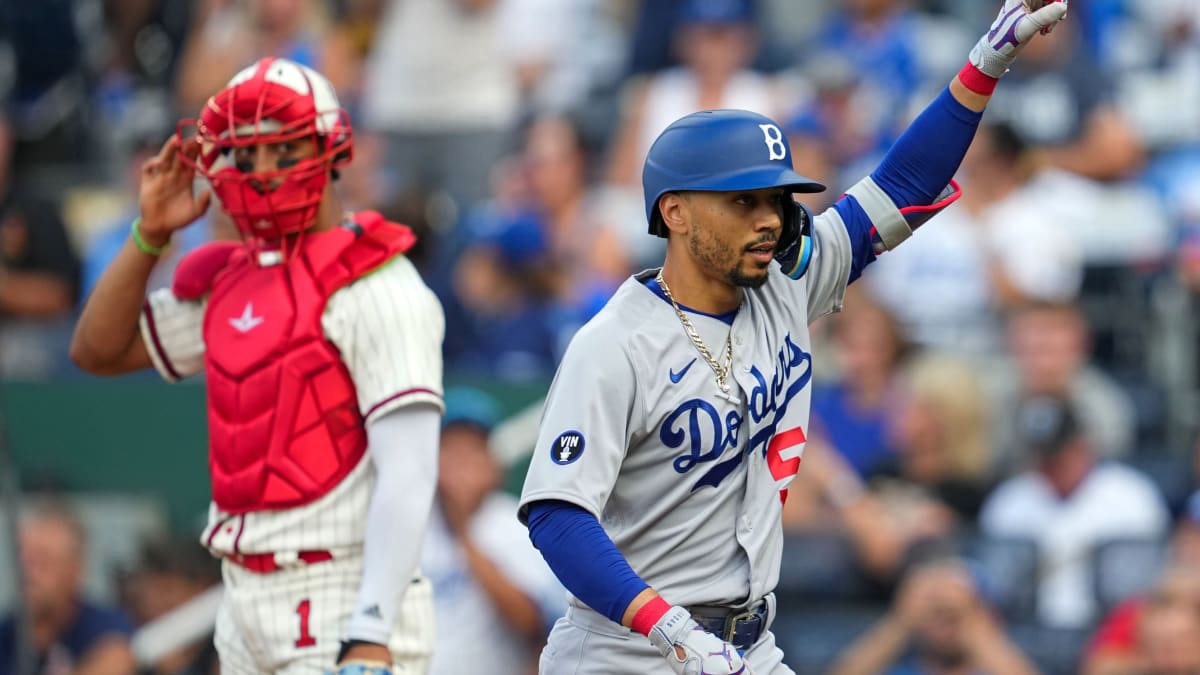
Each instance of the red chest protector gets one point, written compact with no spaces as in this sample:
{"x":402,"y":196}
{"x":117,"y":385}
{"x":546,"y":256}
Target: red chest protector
{"x":283,"y":418}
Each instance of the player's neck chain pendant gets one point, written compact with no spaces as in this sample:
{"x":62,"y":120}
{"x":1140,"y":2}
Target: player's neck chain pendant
{"x":720,"y":370}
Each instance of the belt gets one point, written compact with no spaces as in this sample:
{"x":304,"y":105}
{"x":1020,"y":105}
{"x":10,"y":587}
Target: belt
{"x":739,"y":627}
{"x":265,"y":563}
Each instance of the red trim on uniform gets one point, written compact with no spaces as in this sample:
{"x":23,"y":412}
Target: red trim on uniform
{"x":213,"y":533}
{"x":938,"y":205}
{"x":241,"y":528}
{"x":393,"y":397}
{"x":649,"y":614}
{"x":782,"y":468}
{"x":264,"y":563}
{"x":974,"y":79}
{"x":157,"y":344}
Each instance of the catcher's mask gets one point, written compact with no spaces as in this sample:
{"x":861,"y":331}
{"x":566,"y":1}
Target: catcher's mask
{"x":268,"y":105}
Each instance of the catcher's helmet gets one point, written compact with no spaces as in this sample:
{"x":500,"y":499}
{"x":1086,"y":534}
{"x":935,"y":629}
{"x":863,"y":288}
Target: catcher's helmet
{"x":718,"y":151}
{"x":273,"y":101}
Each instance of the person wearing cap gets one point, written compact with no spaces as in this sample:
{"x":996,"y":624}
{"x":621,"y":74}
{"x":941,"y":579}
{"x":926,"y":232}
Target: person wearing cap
{"x":1069,"y":501}
{"x":716,"y":42}
{"x":494,"y":597}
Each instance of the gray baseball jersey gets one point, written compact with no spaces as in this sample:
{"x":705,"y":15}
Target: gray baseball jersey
{"x":686,"y":482}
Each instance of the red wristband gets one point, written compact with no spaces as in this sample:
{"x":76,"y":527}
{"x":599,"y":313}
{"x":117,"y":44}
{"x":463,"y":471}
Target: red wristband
{"x":649,"y":614}
{"x":974,"y":79}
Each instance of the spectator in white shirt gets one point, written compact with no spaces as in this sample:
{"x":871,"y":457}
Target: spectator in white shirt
{"x":494,"y":597}
{"x":1068,"y":502}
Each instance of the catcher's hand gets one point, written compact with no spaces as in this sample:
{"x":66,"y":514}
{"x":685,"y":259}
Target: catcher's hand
{"x":358,"y":657}
{"x":691,"y":650}
{"x":1018,"y":21}
{"x":165,"y":195}
{"x":361,"y":667}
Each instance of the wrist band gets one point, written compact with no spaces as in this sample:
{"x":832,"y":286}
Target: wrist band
{"x":977,"y":81}
{"x":144,"y":247}
{"x":649,"y":614}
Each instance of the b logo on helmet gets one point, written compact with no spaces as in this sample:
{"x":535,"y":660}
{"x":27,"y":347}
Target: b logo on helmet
{"x":773,"y":137}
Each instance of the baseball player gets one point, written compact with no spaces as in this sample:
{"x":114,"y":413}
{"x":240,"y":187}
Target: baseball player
{"x":321,"y":348}
{"x":679,"y":414}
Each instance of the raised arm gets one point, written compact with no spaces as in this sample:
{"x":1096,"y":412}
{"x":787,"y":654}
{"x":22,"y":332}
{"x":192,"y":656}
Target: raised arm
{"x":914,"y":181}
{"x":107,"y":340}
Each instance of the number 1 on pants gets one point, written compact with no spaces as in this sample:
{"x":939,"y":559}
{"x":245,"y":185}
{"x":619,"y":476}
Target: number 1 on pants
{"x":303,"y":610}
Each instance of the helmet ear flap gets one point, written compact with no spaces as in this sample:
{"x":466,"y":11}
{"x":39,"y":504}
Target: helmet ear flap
{"x":657,"y":226}
{"x":794,"y":248}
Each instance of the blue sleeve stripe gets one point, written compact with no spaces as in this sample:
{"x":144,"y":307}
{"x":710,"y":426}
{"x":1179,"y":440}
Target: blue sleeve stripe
{"x":925,"y":157}
{"x":583,"y":557}
{"x":861,"y":232}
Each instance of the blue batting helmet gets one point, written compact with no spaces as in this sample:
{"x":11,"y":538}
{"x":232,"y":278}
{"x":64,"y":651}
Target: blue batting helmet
{"x":718,"y":151}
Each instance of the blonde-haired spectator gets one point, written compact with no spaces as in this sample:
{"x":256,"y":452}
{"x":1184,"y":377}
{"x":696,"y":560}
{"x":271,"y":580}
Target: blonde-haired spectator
{"x":940,"y":431}
{"x":935,"y":483}
{"x":947,"y":393}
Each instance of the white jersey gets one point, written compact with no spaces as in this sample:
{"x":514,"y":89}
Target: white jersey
{"x":388,"y":328}
{"x":469,"y":628}
{"x":689,"y":484}
{"x":1113,"y":502}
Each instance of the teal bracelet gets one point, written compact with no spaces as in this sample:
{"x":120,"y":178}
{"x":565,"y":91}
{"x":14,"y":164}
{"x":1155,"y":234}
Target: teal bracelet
{"x":136,"y":235}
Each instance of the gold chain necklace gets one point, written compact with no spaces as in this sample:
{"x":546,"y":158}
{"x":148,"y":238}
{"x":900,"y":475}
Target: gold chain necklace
{"x":721,"y":371}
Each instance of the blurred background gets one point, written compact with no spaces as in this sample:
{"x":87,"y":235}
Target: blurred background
{"x":1017,"y":388}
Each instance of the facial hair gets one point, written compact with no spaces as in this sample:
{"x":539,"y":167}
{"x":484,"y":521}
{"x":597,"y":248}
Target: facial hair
{"x":715,"y":254}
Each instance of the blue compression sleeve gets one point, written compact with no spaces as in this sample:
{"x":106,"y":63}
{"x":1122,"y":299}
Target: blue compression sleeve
{"x":923,"y":160}
{"x":585,"y":560}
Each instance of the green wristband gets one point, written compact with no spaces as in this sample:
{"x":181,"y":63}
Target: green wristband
{"x":136,"y":235}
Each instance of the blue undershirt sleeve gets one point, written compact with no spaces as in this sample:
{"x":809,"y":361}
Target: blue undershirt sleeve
{"x":924,"y":159}
{"x":583,"y":557}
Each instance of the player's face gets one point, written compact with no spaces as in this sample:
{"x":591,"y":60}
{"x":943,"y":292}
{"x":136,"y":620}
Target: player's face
{"x":50,"y":560}
{"x":272,"y":157}
{"x":733,"y":234}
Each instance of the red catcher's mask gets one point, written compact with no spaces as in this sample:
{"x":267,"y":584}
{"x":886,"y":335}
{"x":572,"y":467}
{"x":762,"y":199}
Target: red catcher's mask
{"x":273,"y":101}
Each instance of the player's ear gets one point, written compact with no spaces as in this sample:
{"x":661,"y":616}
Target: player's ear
{"x":673,"y":207}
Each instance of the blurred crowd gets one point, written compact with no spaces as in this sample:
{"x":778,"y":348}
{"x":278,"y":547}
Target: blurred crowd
{"x":1005,"y":431}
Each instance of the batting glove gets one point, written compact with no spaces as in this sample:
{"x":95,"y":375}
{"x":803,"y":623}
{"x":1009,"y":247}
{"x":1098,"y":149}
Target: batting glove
{"x":1018,"y":21}
{"x":691,"y":650}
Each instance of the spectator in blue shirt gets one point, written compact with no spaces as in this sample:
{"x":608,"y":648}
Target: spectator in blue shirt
{"x":69,"y":634}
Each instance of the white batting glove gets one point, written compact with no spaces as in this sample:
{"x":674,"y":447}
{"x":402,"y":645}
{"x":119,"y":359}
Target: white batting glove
{"x":1018,"y":21}
{"x":691,"y":650}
